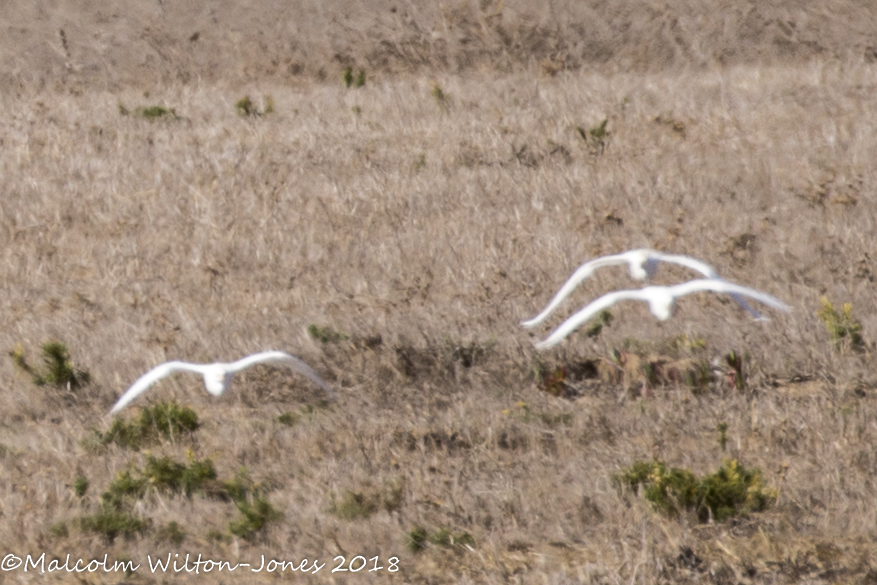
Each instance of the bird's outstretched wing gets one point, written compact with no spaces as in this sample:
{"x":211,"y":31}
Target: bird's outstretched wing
{"x":723,"y":286}
{"x":707,"y":271}
{"x":150,"y":378}
{"x":686,"y":261}
{"x":586,"y":313}
{"x":287,"y":359}
{"x":581,"y":273}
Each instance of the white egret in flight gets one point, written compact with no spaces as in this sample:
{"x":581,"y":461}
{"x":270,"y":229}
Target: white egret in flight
{"x":218,"y":376}
{"x":660,"y":299}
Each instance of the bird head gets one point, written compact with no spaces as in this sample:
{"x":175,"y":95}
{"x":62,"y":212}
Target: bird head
{"x":217,"y":379}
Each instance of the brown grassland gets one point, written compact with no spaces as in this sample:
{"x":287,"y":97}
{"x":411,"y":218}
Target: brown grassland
{"x":419,"y":218}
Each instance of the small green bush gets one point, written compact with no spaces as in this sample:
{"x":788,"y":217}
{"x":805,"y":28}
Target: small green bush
{"x":358,"y":505}
{"x":730,"y":491}
{"x":288,"y":418}
{"x":168,"y":475}
{"x":149,"y":112}
{"x":415,"y":540}
{"x":80,"y":486}
{"x":255,"y":515}
{"x":112,"y":524}
{"x":154,"y":112}
{"x":604,"y":319}
{"x":842,"y":326}
{"x":163,"y":420}
{"x":325,"y":334}
{"x":171,"y":533}
{"x":350,"y":79}
{"x":57,"y":370}
{"x":247,"y":107}
{"x":355,"y":506}
{"x":445,"y":537}
{"x":439,"y":95}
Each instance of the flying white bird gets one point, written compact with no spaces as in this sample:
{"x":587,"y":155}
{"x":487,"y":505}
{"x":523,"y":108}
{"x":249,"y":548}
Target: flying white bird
{"x":217,"y":377}
{"x":660,"y":299}
{"x":643,"y":264}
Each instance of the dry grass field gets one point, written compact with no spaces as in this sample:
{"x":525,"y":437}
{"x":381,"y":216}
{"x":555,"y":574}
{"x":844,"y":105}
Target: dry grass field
{"x":393,"y":235}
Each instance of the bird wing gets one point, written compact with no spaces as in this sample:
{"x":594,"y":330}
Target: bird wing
{"x":687,"y":261}
{"x":709,"y":272}
{"x":586,"y":313}
{"x":723,"y":286}
{"x":581,"y":273}
{"x":287,"y":359}
{"x":150,"y":378}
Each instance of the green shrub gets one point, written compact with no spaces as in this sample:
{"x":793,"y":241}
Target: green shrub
{"x":80,"y":486}
{"x":842,"y":327}
{"x":415,"y":540}
{"x":57,"y":370}
{"x":149,"y":112}
{"x":355,"y":505}
{"x":171,"y":533}
{"x":111,"y":524}
{"x":163,"y":420}
{"x":358,"y":505}
{"x":167,"y":475}
{"x":325,"y":334}
{"x":604,"y":319}
{"x":444,"y":537}
{"x":247,"y":107}
{"x":730,"y":491}
{"x":255,"y":516}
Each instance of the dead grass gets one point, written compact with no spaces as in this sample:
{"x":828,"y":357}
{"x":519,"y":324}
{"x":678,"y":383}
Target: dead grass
{"x":419,"y":235}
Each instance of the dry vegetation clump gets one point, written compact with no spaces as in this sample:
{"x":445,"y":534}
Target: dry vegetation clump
{"x":393,"y":235}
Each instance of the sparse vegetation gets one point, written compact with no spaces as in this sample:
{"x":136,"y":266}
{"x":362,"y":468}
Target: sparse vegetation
{"x":80,"y":486}
{"x":255,"y":515}
{"x":360,"y":505}
{"x":325,"y":334}
{"x":417,"y":539}
{"x":171,"y":533}
{"x":247,"y":107}
{"x":722,"y":428}
{"x":149,"y":112}
{"x":164,"y":420}
{"x":595,"y":137}
{"x":604,"y":319}
{"x":357,"y":80}
{"x":168,"y":475}
{"x":844,"y":329}
{"x":439,"y":95}
{"x":112,"y":524}
{"x":57,"y":369}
